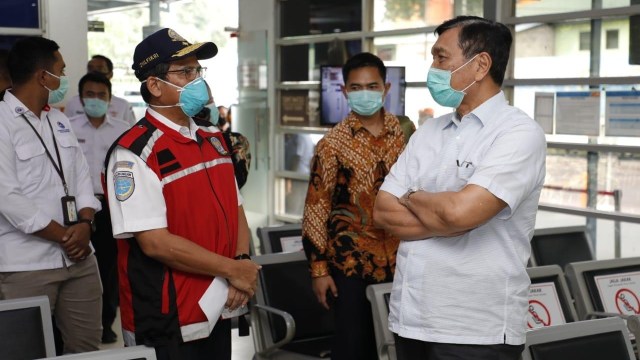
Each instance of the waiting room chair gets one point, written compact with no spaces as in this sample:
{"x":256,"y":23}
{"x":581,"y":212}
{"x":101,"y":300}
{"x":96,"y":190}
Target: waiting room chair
{"x":379,"y":296}
{"x":607,"y":288}
{"x":280,"y":238}
{"x":585,"y":340}
{"x":287,"y":321}
{"x":550,"y":301}
{"x":26,"y":331}
{"x":128,"y":353}
{"x":560,"y":246}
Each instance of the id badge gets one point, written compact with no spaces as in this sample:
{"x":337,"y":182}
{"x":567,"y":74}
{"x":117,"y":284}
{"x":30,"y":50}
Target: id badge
{"x":69,"y":210}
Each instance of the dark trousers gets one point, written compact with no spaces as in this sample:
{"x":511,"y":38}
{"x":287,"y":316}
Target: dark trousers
{"x":354,"y":337}
{"x":216,"y":347}
{"x":107,"y":256}
{"x":410,"y":349}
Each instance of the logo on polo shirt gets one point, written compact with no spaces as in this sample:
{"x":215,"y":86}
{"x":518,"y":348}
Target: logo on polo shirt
{"x":62,"y":128}
{"x":216,"y":144}
{"x":123,"y":184}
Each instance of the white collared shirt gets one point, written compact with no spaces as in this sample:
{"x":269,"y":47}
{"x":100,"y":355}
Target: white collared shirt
{"x":119,"y":108}
{"x":31,"y":188}
{"x":145,"y":209}
{"x":95,"y":142}
{"x":470,"y":289}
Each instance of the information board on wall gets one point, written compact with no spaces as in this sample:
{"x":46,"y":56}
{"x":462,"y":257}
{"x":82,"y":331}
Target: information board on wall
{"x":294,"y":107}
{"x":622,"y":113}
{"x":544,"y":306}
{"x":578,"y":113}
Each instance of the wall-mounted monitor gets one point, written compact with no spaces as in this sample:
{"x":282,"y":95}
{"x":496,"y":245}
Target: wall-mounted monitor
{"x":333,"y":105}
{"x":20,"y":14}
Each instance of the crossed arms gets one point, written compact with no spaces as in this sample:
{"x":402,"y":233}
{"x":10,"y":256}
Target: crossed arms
{"x":421,"y":214}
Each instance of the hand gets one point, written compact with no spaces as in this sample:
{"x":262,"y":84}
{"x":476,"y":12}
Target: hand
{"x":236,"y":299}
{"x":75,"y":241}
{"x":245,"y":276}
{"x":320,"y":287}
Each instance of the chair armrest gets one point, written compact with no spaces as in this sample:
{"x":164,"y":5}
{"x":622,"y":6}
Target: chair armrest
{"x":633,"y":321}
{"x":290,"y":324}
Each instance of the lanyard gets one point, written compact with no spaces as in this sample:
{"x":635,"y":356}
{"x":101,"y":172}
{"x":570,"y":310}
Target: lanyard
{"x":58,"y":166}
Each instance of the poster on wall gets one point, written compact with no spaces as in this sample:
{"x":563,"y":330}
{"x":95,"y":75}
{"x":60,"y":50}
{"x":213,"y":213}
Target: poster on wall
{"x":622,"y":113}
{"x":543,"y":111}
{"x":578,"y":113}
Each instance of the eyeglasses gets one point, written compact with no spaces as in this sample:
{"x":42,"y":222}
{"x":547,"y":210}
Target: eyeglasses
{"x":190,"y":72}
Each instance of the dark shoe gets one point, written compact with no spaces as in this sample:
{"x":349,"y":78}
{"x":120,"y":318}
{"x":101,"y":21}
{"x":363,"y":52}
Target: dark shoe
{"x":108,"y":336}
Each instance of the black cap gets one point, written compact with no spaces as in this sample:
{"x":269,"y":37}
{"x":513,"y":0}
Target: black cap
{"x":164,"y":46}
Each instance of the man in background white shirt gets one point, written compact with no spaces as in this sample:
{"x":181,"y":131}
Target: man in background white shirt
{"x":45,"y":178}
{"x":96,"y":130}
{"x":119,"y":108}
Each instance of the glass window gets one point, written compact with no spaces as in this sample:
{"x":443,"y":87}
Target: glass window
{"x":302,"y":62}
{"x":295,"y":192}
{"x":551,"y":50}
{"x":618,"y":177}
{"x":406,"y":14}
{"x":542,"y":7}
{"x":298,"y":151}
{"x":585,"y":40}
{"x":411,"y":51}
{"x":308,"y":17}
{"x":612,"y":39}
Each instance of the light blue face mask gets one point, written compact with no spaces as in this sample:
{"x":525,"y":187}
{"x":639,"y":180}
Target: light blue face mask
{"x":95,"y":107}
{"x":439,"y":85}
{"x":193,"y":96}
{"x":365,"y":102}
{"x":57,"y":95}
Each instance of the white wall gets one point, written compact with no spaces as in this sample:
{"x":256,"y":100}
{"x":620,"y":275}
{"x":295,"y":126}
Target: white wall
{"x":65,"y":22}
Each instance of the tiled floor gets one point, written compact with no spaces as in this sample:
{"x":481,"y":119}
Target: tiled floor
{"x":241,"y":347}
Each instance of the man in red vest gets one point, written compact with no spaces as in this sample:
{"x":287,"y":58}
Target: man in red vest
{"x":175,"y":204}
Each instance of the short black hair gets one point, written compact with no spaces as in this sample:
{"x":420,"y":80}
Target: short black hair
{"x":481,"y":35}
{"x":363,"y":60}
{"x":94,"y":77}
{"x":106,"y":60}
{"x":159,"y":71}
{"x":28,"y":55}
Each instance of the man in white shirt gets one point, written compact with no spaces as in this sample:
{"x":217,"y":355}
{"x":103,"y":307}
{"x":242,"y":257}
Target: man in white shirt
{"x":96,"y":130}
{"x":119,"y":108}
{"x":463,"y":198}
{"x":47,"y":202}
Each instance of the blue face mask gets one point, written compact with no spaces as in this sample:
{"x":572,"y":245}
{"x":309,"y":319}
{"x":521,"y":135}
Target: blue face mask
{"x":365,"y":102}
{"x":57,"y":95}
{"x":95,"y":107}
{"x":439,"y":84}
{"x":193,"y":96}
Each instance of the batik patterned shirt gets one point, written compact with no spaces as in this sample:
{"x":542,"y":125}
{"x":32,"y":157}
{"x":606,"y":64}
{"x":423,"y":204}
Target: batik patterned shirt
{"x":347,"y":169}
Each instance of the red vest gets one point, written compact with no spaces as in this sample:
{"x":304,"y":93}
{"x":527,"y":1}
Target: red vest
{"x":202,"y":206}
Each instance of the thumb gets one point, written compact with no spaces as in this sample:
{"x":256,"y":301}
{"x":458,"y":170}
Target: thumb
{"x":333,"y":288}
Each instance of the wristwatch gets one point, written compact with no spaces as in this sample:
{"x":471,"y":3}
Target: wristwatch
{"x":91,"y":223}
